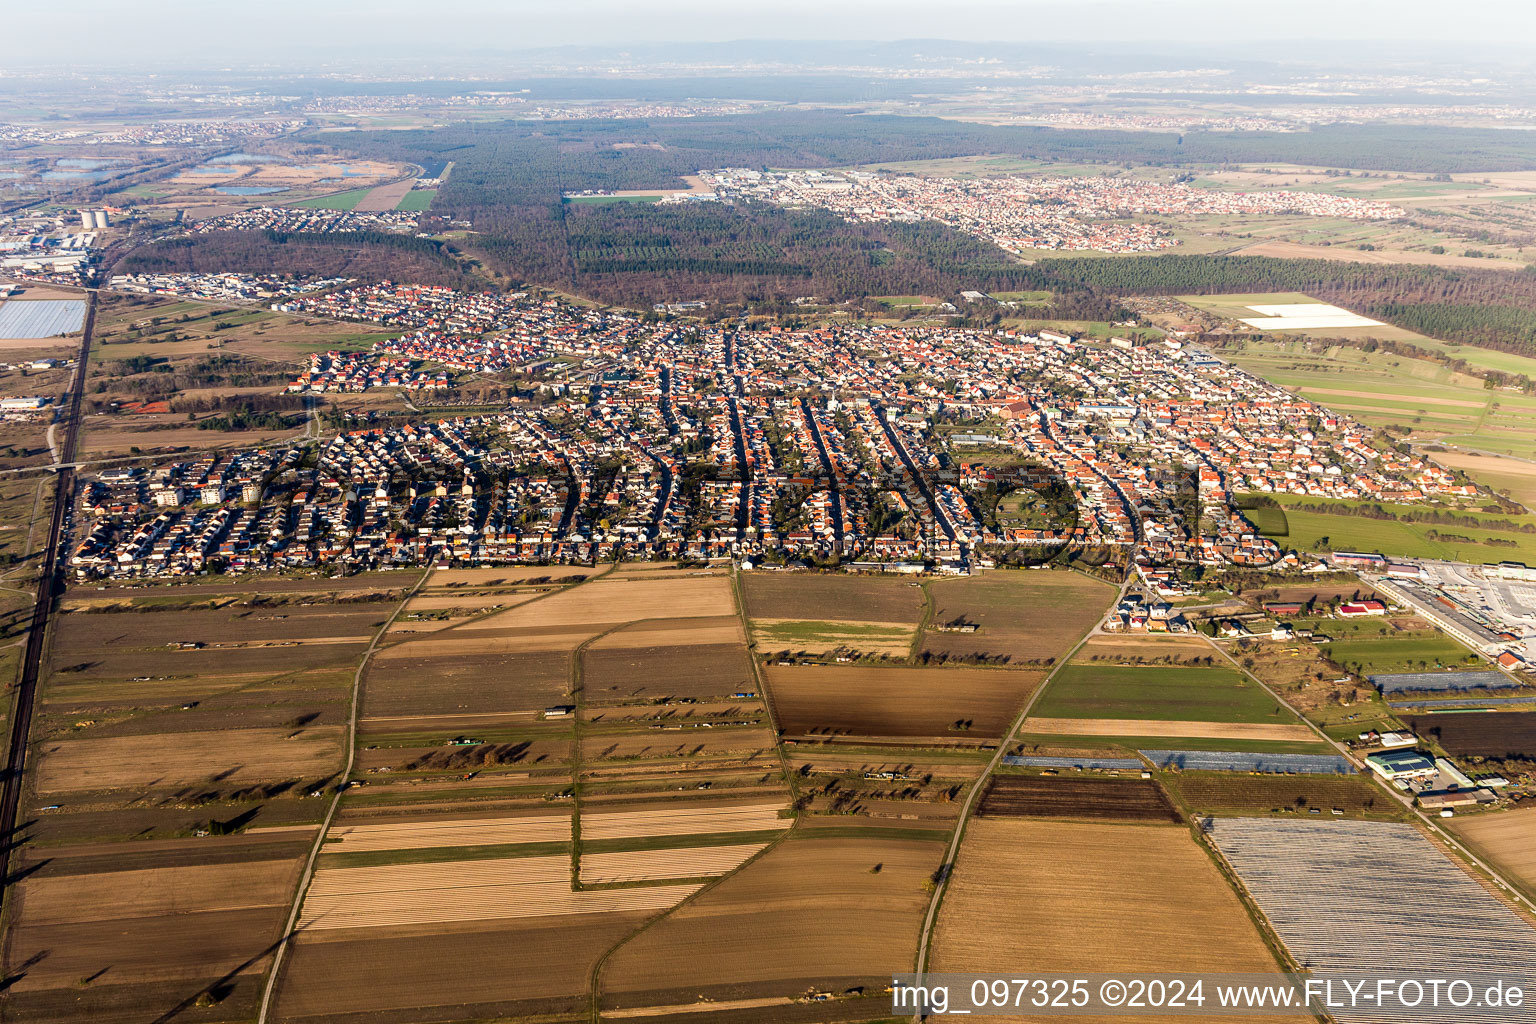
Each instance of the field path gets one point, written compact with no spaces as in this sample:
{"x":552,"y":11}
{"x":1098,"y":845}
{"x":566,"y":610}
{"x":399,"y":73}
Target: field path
{"x":925,"y":940}
{"x":341,"y":787}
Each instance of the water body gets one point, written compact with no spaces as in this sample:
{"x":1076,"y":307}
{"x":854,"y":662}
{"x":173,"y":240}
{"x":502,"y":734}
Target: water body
{"x":82,"y":164}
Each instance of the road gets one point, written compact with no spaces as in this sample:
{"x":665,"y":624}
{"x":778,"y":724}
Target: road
{"x":49,"y":585}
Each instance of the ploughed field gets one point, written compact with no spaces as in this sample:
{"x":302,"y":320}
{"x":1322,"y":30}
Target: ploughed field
{"x":1493,"y":734}
{"x":1057,"y":797}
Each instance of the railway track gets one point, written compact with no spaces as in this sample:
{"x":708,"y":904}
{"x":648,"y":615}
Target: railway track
{"x":48,"y":589}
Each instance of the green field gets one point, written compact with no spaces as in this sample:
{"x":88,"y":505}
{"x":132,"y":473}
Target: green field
{"x":1413,"y":653}
{"x":1126,"y":746}
{"x":1158,"y":694}
{"x":417,"y":200}
{"x":339,"y":201}
{"x":1345,"y":531}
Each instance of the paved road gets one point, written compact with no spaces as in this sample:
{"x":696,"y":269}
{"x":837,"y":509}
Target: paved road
{"x":48,"y":588}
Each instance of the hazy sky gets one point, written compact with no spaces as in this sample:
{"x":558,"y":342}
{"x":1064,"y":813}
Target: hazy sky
{"x":135,"y":30}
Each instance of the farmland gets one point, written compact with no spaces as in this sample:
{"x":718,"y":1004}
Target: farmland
{"x":533,"y":744}
{"x":1157,"y":693}
{"x":1321,"y":886}
{"x":816,"y":914}
{"x":1496,"y":735}
{"x":210,"y":757}
{"x":1506,"y":838}
{"x":1340,"y":529}
{"x":1138,"y":897}
{"x":1083,"y":798}
{"x":959,"y":703}
{"x":1414,"y":651}
{"x":1022,"y":617}
{"x":1232,"y":793}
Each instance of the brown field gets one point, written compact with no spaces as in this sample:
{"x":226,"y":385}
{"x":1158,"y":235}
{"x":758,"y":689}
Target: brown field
{"x":1238,"y":793}
{"x":1145,"y":727}
{"x":723,"y":629}
{"x":1495,"y":734}
{"x":233,"y":755}
{"x":448,"y":580}
{"x":399,"y":684}
{"x":451,"y":972}
{"x":418,"y":834}
{"x":617,"y":599}
{"x":820,"y":596}
{"x":50,"y":898}
{"x":879,"y":701}
{"x":1144,"y":650}
{"x":1031,"y":616}
{"x":827,"y":914}
{"x":472,"y":890}
{"x":1298,"y":250}
{"x":1091,"y":897}
{"x":385,"y":197}
{"x":735,"y":742}
{"x":658,"y":865}
{"x":1069,"y":797}
{"x":644,"y":673}
{"x":678,"y":819}
{"x":893,"y":639}
{"x":1507,"y":838}
{"x":1515,"y":477}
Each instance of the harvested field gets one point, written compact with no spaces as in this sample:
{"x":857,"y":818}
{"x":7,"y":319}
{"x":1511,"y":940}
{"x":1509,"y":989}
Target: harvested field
{"x":474,"y":890}
{"x":658,"y":865}
{"x":879,"y":701}
{"x":1137,"y":897}
{"x":398,"y":684}
{"x":446,"y":580}
{"x":1227,"y":793}
{"x":385,"y":197}
{"x":1299,"y":250}
{"x":1023,"y":616}
{"x":450,"y":972}
{"x":617,"y":599}
{"x":679,"y":820}
{"x":820,"y":596}
{"x":1055,"y":797}
{"x":698,"y":671}
{"x":1494,"y":734}
{"x":827,"y":914}
{"x":419,"y":835}
{"x":724,"y":629}
{"x":823,"y":637}
{"x":50,"y":898}
{"x":1146,"y":650}
{"x":739,"y":742}
{"x":233,"y":755}
{"x":476,"y":639}
{"x":1142,"y":727}
{"x":1507,"y":838}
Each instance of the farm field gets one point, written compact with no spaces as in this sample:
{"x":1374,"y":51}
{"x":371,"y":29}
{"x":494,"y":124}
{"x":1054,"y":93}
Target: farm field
{"x":1157,"y":693}
{"x":207,"y":759}
{"x":850,"y":700}
{"x":1306,"y":530}
{"x":821,"y":913}
{"x":1024,"y":618}
{"x":1397,"y":653}
{"x":481,"y":808}
{"x":1237,"y":793}
{"x":1386,"y":389}
{"x":1320,"y":885}
{"x":1512,"y":477}
{"x":1145,"y":650}
{"x":825,"y":597}
{"x":1070,"y":797}
{"x":1497,"y":735}
{"x":417,"y":200}
{"x":1138,"y":897}
{"x":337,"y":201}
{"x":1507,"y":838}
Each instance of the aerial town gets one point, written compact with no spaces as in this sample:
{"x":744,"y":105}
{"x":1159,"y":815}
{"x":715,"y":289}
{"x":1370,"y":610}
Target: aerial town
{"x":858,"y":444}
{"x":1027,"y":211}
